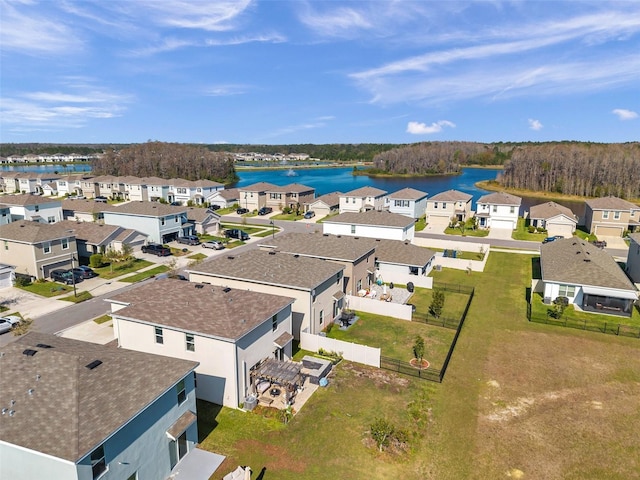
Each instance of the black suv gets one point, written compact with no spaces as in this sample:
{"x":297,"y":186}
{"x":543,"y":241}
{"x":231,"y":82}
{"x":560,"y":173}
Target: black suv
{"x":242,"y":211}
{"x":265,"y":211}
{"x":236,"y":233}
{"x":159,"y":250}
{"x":65,"y":276}
{"x":189,"y":240}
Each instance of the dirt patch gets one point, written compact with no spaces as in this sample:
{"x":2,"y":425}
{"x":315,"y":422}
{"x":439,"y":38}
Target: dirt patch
{"x":278,"y":457}
{"x":422,"y":365}
{"x":378,"y":376}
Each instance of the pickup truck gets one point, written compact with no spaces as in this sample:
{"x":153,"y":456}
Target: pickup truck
{"x":155,"y":249}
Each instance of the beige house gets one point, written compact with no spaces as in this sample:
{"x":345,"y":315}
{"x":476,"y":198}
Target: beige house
{"x":611,"y":216}
{"x":316,"y":285}
{"x":325,"y":204}
{"x":35,"y":249}
{"x":444,"y":206}
{"x":556,"y":219}
{"x":254,"y":197}
{"x":203,"y":219}
{"x":362,"y":199}
{"x":94,"y":237}
{"x":355,"y":254}
{"x":292,"y":195}
{"x":633,"y":258}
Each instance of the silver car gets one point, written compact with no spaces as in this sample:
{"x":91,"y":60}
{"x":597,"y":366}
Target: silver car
{"x":216,"y":245}
{"x":8,"y":323}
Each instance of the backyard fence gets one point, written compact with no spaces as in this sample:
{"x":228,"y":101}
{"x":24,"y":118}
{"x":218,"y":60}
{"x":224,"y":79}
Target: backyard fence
{"x":595,"y":325}
{"x":349,"y":351}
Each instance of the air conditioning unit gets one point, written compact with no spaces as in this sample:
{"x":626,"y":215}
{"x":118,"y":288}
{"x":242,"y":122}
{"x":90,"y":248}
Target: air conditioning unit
{"x":438,"y":268}
{"x":547,"y":300}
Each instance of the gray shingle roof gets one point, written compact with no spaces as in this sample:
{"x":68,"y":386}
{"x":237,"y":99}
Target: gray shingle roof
{"x":258,"y":187}
{"x":577,"y":262}
{"x":402,"y":253}
{"x":330,"y":199}
{"x":85,"y":206}
{"x":372,"y":217}
{"x":26,"y":199}
{"x":92,"y":233}
{"x":331,"y":247}
{"x":211,"y":310}
{"x":34,"y":232}
{"x":550,"y":209}
{"x":291,"y":188}
{"x":611,"y":203}
{"x":408,"y":194}
{"x":451,"y":196}
{"x":365,"y":192}
{"x":149,"y":209}
{"x":72,"y":409}
{"x":500,"y":198}
{"x":274,"y":269}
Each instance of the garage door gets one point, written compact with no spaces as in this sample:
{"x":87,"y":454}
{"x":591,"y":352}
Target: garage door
{"x":5,"y":279}
{"x":560,"y":229}
{"x":506,"y":224}
{"x":439,"y":220}
{"x":46,"y":269}
{"x":608,"y":231}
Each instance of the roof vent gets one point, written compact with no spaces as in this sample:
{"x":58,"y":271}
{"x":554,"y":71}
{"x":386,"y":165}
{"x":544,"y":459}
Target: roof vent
{"x":272,"y":252}
{"x":226,"y":290}
{"x":43,"y":345}
{"x":231,"y":257}
{"x":325,"y":234}
{"x":356,"y":238}
{"x":199,"y":285}
{"x":5,"y":410}
{"x":12,"y":413}
{"x":29,"y":352}
{"x":94,"y":364}
{"x":338,"y":236}
{"x":30,"y":391}
{"x":296,"y":256}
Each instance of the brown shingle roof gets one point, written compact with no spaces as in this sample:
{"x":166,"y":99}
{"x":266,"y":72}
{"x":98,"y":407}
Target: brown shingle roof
{"x":574,"y":261}
{"x":500,"y":198}
{"x":365,"y":192}
{"x":330,"y":199}
{"x":90,"y":232}
{"x":85,"y":206}
{"x":211,"y":311}
{"x":258,"y":187}
{"x":402,"y":253}
{"x":331,"y":247}
{"x":26,"y":199}
{"x":372,"y":217}
{"x":26,"y":231}
{"x":550,"y":209}
{"x":291,"y":188}
{"x":451,"y":196}
{"x":198,"y":214}
{"x":73,"y":409}
{"x":408,"y":194}
{"x":610,"y":203}
{"x":229,"y":193}
{"x":278,"y":269}
{"x":149,"y":209}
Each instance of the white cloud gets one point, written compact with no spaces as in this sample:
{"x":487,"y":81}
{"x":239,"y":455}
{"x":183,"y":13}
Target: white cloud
{"x":341,"y":22}
{"x":624,"y":114}
{"x":417,"y":128}
{"x":535,"y":124}
{"x":225,"y":90}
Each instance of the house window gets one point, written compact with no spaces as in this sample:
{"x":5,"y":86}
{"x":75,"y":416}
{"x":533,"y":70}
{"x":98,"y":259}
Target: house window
{"x":605,"y":214}
{"x":616,"y":215}
{"x":337,"y":276}
{"x":162,"y":221}
{"x":65,"y":243}
{"x":512,"y":210}
{"x":37,"y":208}
{"x":274,"y":323}
{"x":444,"y":205}
{"x":51,"y":219}
{"x":568,"y":291}
{"x":353,"y":229}
{"x":159,"y":336}
{"x":435,"y":204}
{"x":176,"y":218}
{"x":335,"y":308}
{"x":191,"y":342}
{"x":495,"y":208}
{"x":359,"y":285}
{"x":6,"y":245}
{"x":321,"y":317}
{"x":98,"y":463}
{"x":181,"y":391}
{"x":46,"y":247}
{"x":353,"y":200}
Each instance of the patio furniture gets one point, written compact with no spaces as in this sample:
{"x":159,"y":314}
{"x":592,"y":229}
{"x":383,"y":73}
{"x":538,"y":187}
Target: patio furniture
{"x":275,"y":392}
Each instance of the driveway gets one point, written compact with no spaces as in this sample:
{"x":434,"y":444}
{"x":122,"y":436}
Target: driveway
{"x":500,"y":233}
{"x":616,"y":243}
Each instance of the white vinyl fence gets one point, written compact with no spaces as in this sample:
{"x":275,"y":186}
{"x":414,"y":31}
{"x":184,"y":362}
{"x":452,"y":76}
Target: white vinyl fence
{"x":456,"y":263}
{"x":349,"y":351}
{"x":374,"y":305}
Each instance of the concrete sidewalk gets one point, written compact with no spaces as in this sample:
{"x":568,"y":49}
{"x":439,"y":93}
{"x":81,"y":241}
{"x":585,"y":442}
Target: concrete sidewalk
{"x":90,"y":331}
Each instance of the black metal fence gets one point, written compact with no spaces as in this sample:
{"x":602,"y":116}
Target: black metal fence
{"x":446,"y":322}
{"x":591,"y":325}
{"x":431,"y":374}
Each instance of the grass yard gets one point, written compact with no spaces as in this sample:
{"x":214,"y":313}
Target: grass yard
{"x":197,"y":256}
{"x":206,"y":237}
{"x":287,"y":216}
{"x":102,"y":319}
{"x":48,"y":289}
{"x":266,"y":233}
{"x":584,"y":235}
{"x":247,"y":228}
{"x":81,"y":297}
{"x":146,"y":274}
{"x":521,"y":232}
{"x":467,"y":233}
{"x":420,"y":224}
{"x":179,"y":251}
{"x":122,"y":269}
{"x":454,"y":303}
{"x":463,"y":255}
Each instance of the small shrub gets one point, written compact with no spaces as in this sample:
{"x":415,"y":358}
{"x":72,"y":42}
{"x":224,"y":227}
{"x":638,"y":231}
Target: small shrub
{"x":329,"y":327}
{"x":437,"y":303}
{"x":96,"y":260}
{"x":23,"y":280}
{"x":531,"y":229}
{"x":381,"y":431}
{"x":559,"y":306}
{"x":541,"y":230}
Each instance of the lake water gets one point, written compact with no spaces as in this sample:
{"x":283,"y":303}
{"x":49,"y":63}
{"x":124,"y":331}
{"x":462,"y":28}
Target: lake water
{"x":326,"y":180}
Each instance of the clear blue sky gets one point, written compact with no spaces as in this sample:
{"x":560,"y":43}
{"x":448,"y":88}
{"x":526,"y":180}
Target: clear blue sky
{"x":275,"y":72}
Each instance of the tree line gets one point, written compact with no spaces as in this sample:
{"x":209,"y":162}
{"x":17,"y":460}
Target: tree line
{"x":167,"y":160}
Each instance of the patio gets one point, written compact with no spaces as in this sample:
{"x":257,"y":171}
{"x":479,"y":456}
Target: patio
{"x":280,"y":384}
{"x":385,"y":293}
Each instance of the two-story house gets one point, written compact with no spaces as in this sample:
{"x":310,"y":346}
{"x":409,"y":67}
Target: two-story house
{"x":161,"y":223}
{"x":371,"y":224}
{"x":197,"y":192}
{"x":157,"y":188}
{"x":408,"y":202}
{"x":611,"y":216}
{"x":316,"y":285}
{"x":227,"y":331}
{"x":499,"y":210}
{"x":254,"y":197}
{"x":83,"y":411}
{"x":445,"y":207}
{"x":35,"y":249}
{"x":362,"y":199}
{"x":31,"y":207}
{"x":94,"y":237}
{"x":292,"y":196}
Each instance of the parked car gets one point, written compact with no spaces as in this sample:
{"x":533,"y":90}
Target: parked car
{"x":68,"y":277}
{"x":154,"y":248}
{"x":552,"y":239}
{"x":600,"y":243}
{"x":9,"y":323}
{"x":77,"y":197}
{"x":85,"y":272}
{"x":310,"y":214}
{"x":215,"y":244}
{"x":100,"y":199}
{"x":265,"y":211}
{"x":189,"y":240}
{"x":236,"y":233}
{"x":176,"y":204}
{"x":214,"y":207}
{"x":242,"y":211}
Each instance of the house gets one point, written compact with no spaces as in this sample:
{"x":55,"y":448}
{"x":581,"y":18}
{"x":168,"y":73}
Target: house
{"x":254,"y":197}
{"x":362,"y":199}
{"x":157,"y":188}
{"x":611,"y":216}
{"x":161,"y":223}
{"x":408,"y":202}
{"x":79,"y":410}
{"x":204,"y":220}
{"x":445,"y":206}
{"x":633,"y":258}
{"x":225,"y":198}
{"x":355,"y":254}
{"x":7,"y":275}
{"x":401,"y":262}
{"x":371,"y":224}
{"x":185,"y":191}
{"x":37,"y":248}
{"x":31,"y":207}
{"x":316,"y":285}
{"x":94,"y":237}
{"x":324,"y":205}
{"x":227,"y":331}
{"x":498,"y":210}
{"x":71,"y":184}
{"x":50,"y":189}
{"x":84,"y":210}
{"x":294,"y":195}
{"x":587,"y":275}
{"x":556,"y":219}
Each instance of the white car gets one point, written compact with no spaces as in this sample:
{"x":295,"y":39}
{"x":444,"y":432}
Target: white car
{"x":8,"y":323}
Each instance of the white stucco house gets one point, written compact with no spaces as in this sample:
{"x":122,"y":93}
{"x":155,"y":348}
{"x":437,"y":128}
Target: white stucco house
{"x":587,"y":275}
{"x":75,"y":410}
{"x":362,"y":199}
{"x":197,"y":192}
{"x":408,"y":202}
{"x":371,"y":224}
{"x":161,"y":223}
{"x":227,"y":331}
{"x":36,"y":208}
{"x":555,"y":218}
{"x":498,"y":210}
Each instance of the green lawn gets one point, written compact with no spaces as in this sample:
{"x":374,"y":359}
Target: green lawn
{"x":266,"y":233}
{"x":102,"y":319}
{"x":48,"y":289}
{"x":522,"y":233}
{"x":467,"y":233}
{"x":420,"y":224}
{"x":454,"y":303}
{"x":247,"y":228}
{"x":197,"y":256}
{"x":463,"y":255}
{"x":206,"y":237}
{"x":584,"y":235}
{"x":288,"y":216}
{"x":122,"y":269}
{"x":146,"y":274}
{"x":81,"y":297}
